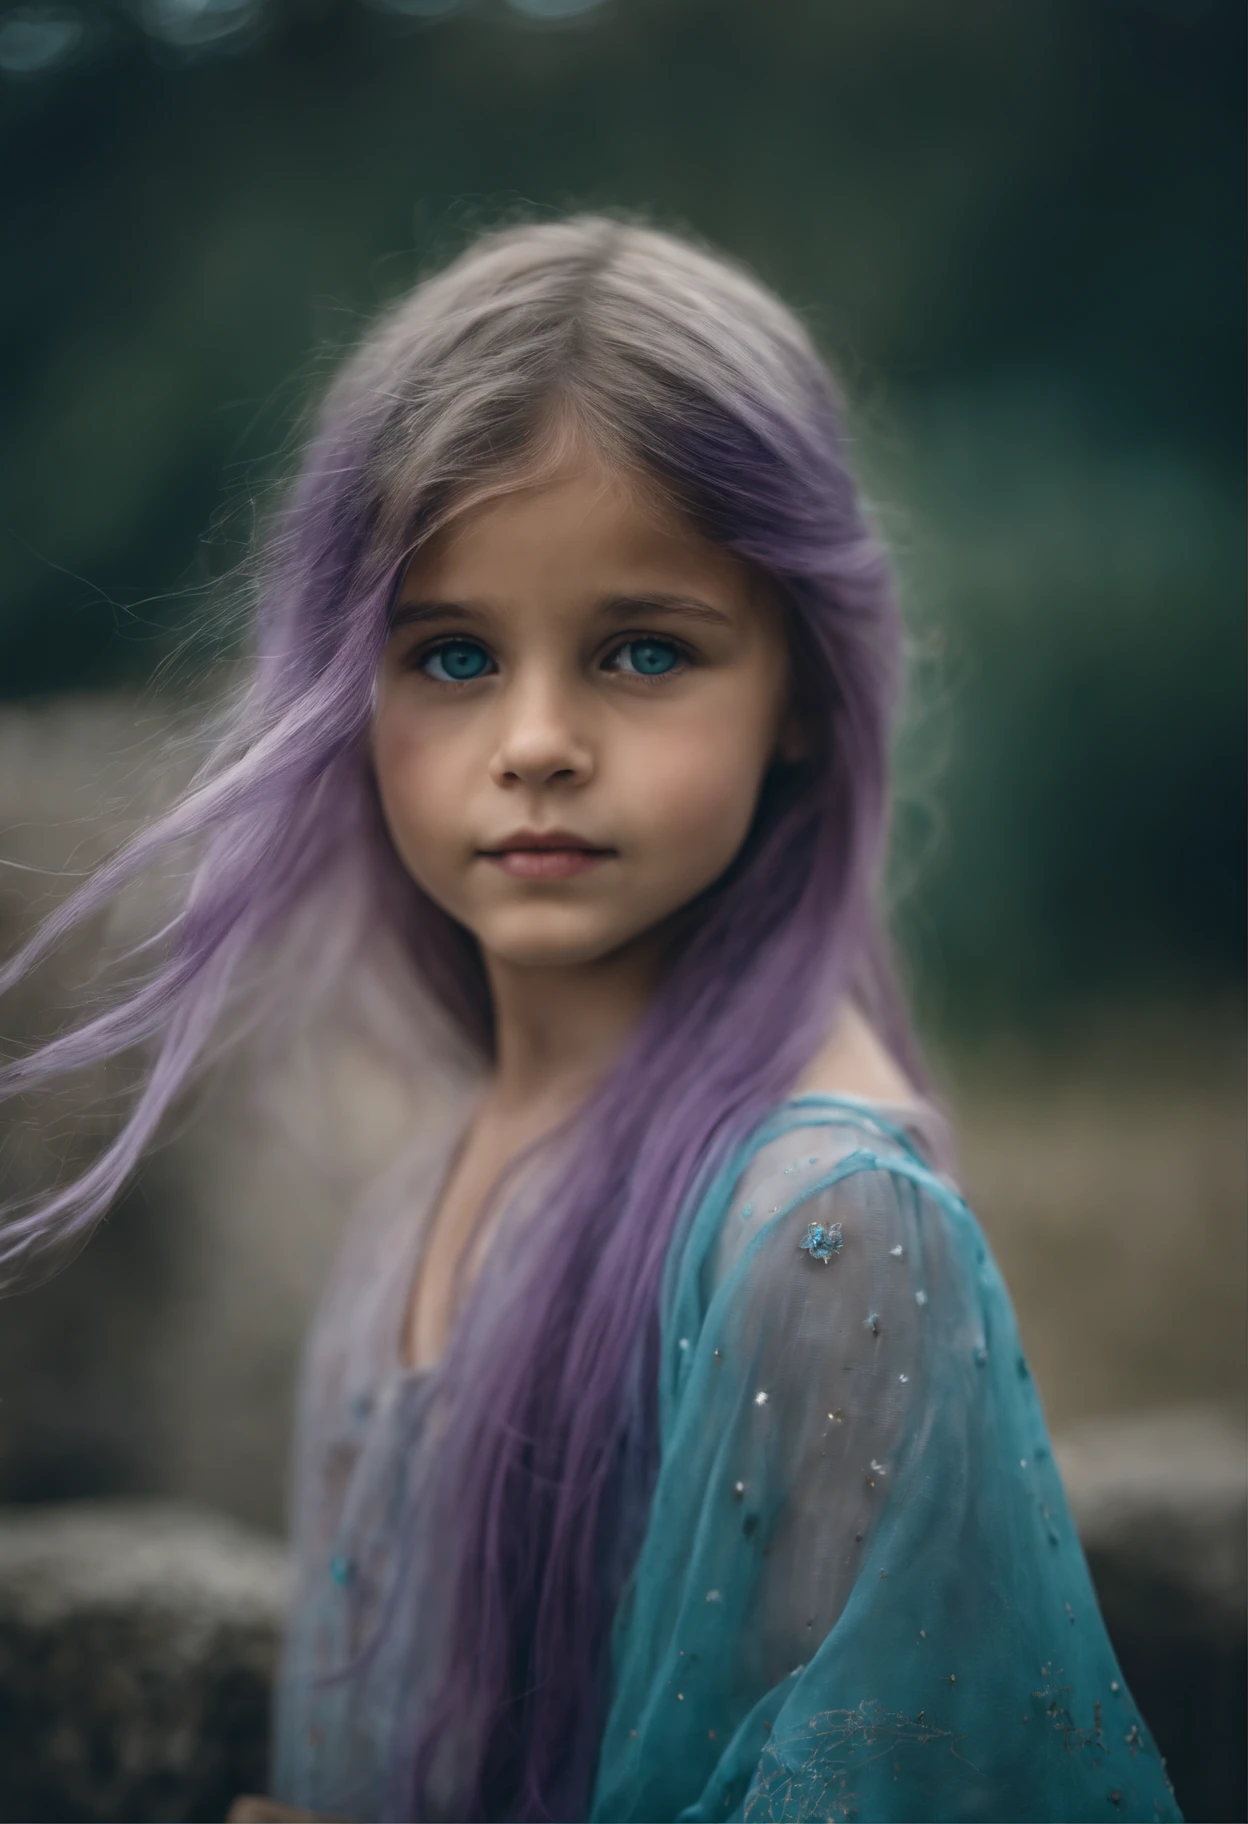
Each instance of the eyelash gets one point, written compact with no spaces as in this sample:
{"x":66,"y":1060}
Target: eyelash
{"x":684,"y":658}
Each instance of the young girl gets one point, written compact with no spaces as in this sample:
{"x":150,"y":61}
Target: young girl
{"x":666,"y":1448}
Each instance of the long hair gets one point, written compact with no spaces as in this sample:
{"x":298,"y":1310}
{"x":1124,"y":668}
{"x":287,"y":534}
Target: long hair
{"x":677,"y":364}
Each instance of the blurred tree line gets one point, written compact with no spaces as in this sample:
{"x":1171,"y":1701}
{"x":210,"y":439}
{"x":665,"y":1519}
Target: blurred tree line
{"x":1016,"y":229}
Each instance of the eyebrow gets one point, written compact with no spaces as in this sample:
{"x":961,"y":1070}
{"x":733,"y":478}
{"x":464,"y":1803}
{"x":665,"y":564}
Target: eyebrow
{"x":613,"y":607}
{"x":414,"y":614}
{"x":619,"y":606}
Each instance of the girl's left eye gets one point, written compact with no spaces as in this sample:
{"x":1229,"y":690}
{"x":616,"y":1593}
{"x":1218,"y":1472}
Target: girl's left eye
{"x":456,"y":662}
{"x":645,"y":658}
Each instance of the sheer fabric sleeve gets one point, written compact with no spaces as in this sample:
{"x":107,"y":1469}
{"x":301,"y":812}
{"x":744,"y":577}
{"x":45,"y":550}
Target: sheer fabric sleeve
{"x":859,"y":1595}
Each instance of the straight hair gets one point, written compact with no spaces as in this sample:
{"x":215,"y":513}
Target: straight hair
{"x":675,"y":365}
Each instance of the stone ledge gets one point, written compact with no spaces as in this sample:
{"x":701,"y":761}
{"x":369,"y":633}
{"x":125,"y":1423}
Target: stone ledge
{"x":137,"y":1649}
{"x":1161,"y":1501}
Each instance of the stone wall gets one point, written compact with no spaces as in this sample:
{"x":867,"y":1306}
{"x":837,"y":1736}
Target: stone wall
{"x":161,"y":1361}
{"x":1160,"y":1500}
{"x":137,"y":1648}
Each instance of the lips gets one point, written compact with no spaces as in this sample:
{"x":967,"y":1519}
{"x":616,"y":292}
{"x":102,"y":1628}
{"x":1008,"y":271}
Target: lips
{"x":545,"y":855}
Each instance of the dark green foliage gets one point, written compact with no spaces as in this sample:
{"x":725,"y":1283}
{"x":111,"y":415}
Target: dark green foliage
{"x":1016,"y":229}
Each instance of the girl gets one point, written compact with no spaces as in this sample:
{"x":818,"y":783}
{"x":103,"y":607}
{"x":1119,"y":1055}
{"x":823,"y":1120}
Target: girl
{"x":667,"y":1449}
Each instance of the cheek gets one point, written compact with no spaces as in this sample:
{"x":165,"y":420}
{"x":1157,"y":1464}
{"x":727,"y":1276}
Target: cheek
{"x":419,"y":795}
{"x":699,"y":792}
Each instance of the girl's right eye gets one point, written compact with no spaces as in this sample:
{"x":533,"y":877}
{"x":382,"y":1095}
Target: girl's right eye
{"x":455,"y":662}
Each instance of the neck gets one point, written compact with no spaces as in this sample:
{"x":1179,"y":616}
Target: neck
{"x":558,"y":1030}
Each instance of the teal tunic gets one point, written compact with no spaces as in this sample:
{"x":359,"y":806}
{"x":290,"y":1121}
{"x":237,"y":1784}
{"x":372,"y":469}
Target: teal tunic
{"x":859,"y":1592}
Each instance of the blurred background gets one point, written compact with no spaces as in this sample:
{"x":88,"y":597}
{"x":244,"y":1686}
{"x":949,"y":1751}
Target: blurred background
{"x":1018,"y":233}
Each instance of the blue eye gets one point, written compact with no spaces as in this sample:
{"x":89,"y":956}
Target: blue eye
{"x":646,"y":658}
{"x":457,"y":662}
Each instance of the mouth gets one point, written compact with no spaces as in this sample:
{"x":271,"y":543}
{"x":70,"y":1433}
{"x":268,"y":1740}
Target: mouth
{"x":545,"y":855}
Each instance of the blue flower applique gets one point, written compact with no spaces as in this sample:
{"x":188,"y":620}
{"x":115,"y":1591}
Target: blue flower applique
{"x":822,"y":1240}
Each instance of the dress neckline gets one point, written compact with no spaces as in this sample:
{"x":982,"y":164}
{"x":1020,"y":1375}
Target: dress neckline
{"x":922,"y":1118}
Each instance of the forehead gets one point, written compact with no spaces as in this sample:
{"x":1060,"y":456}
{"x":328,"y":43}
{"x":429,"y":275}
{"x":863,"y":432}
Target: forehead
{"x":580,"y":530}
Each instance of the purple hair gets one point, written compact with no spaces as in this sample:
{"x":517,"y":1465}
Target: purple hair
{"x":677,"y":364}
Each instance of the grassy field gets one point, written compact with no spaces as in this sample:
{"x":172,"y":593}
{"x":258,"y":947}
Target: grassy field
{"x":1110,"y":1178}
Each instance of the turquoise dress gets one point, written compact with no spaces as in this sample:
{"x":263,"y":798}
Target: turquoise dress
{"x":859,"y":1593}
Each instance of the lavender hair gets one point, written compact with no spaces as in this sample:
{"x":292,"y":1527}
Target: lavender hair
{"x":676,"y":364}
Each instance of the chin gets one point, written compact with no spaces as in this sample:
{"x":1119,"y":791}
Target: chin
{"x":568,"y":947}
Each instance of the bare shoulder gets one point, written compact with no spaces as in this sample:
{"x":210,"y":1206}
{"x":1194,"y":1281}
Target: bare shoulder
{"x":852,"y":1061}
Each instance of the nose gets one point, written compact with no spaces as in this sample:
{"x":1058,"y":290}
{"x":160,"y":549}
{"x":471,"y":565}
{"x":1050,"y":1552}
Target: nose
{"x":540,"y":743}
